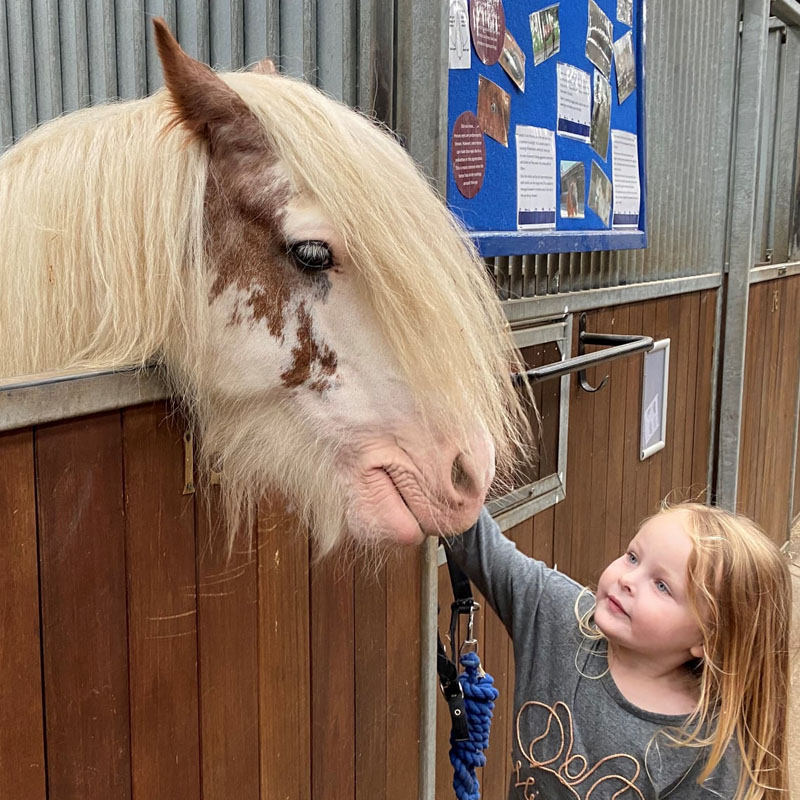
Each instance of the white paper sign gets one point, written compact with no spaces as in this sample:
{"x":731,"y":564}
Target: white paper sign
{"x":460,"y":50}
{"x":574,"y":102}
{"x":536,"y":178}
{"x":625,"y":177}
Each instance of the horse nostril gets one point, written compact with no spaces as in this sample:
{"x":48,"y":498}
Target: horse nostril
{"x":459,"y":476}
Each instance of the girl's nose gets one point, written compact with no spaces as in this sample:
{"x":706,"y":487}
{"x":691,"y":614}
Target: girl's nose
{"x":626,"y":582}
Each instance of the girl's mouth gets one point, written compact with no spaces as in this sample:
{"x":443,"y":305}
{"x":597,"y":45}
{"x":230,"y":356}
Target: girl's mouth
{"x":616,"y":606}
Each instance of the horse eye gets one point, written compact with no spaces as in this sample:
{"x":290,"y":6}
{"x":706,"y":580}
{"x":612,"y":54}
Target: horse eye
{"x":311,"y":255}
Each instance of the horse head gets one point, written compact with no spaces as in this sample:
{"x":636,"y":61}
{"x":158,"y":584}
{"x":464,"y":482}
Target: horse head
{"x":330,"y":327}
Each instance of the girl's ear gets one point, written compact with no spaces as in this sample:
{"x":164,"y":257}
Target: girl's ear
{"x":697,"y":651}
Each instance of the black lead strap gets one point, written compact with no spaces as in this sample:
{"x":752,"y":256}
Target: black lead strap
{"x":447,"y":666}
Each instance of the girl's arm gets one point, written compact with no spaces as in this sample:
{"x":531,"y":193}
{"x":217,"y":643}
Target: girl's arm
{"x":507,"y":578}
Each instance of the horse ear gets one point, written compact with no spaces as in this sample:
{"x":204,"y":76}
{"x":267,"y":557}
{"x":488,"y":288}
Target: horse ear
{"x":204,"y":104}
{"x":264,"y":67}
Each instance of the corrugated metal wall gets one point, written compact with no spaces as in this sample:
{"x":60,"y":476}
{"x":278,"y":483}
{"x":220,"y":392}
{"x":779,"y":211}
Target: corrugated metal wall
{"x":58,"y":55}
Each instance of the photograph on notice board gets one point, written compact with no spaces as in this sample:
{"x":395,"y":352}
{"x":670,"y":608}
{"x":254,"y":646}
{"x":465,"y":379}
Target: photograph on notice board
{"x":626,"y":67}
{"x":625,"y":12}
{"x":494,"y":110}
{"x":512,"y":60}
{"x":460,"y":47}
{"x":600,"y":193}
{"x":601,"y":115}
{"x":573,"y":189}
{"x":545,"y":33}
{"x":599,"y":47}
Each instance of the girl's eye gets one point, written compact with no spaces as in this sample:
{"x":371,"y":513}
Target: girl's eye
{"x":662,"y":587}
{"x":311,"y":255}
{"x":632,"y":559}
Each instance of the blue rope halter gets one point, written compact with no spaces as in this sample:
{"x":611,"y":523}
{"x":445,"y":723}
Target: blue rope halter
{"x":466,"y":756}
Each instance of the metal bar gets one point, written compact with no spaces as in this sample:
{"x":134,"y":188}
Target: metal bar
{"x":556,"y":305}
{"x":429,"y":604}
{"x":131,"y":23}
{"x":786,"y":146}
{"x":628,"y":345}
{"x":21,"y":65}
{"x":47,"y":59}
{"x":46,"y":398}
{"x":774,"y":271}
{"x":752,"y":69}
{"x":6,"y":133}
{"x":101,"y":52}
{"x":787,"y":11}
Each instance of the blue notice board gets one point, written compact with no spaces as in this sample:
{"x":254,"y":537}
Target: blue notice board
{"x":564,"y":45}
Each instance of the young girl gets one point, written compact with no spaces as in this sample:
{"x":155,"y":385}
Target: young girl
{"x":671,"y":681}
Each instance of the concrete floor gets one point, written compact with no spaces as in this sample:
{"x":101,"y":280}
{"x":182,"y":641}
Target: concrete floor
{"x":794,"y":702}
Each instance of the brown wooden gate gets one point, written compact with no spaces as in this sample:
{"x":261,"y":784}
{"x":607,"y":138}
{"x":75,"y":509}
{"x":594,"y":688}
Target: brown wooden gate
{"x":136,"y":661}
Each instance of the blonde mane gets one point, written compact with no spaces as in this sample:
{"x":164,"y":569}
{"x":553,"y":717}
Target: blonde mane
{"x":102,"y":250}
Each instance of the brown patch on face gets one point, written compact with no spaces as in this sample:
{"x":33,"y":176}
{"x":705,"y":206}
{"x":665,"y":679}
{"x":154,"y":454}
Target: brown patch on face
{"x":270,"y":306}
{"x":307,"y":355}
{"x":244,"y":243}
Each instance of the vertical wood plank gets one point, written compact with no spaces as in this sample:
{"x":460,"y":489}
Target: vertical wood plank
{"x":22,"y":772}
{"x":543,"y":529}
{"x":579,"y":473}
{"x":371,"y":673}
{"x":227,"y":624}
{"x":332,"y":681}
{"x":668,"y":455}
{"x":629,"y":519}
{"x":703,"y":399}
{"x":680,"y":398}
{"x":162,"y":609}
{"x":794,"y":326}
{"x":768,"y":444}
{"x":403,"y":582}
{"x":82,"y":555}
{"x":692,"y":331}
{"x":284,"y":654}
{"x":592,"y":551}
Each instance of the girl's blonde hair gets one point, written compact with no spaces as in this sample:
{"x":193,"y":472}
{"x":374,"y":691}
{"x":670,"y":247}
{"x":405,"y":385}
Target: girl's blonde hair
{"x":739,"y":589}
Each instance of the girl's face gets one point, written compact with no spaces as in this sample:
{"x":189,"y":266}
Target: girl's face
{"x":642,"y":600}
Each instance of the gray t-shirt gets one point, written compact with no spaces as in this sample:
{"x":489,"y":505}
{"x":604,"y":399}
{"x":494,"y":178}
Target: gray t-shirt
{"x":574,"y":735}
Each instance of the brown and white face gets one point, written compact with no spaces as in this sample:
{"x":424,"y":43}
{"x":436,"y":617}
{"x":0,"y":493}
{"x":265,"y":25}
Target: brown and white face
{"x":293,"y":330}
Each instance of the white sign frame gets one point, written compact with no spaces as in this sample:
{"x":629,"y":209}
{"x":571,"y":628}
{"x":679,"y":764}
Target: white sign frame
{"x":655,"y":385}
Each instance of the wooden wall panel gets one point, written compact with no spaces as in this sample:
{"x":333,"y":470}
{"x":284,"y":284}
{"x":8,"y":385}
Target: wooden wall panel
{"x":22,"y":765}
{"x":84,"y":633}
{"x":162,"y":609}
{"x":332,"y":681}
{"x":772,"y":374}
{"x":372,"y":684}
{"x":227,"y":627}
{"x":284,"y":655}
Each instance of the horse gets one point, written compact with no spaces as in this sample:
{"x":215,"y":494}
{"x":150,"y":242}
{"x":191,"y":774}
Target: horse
{"x":326,"y":323}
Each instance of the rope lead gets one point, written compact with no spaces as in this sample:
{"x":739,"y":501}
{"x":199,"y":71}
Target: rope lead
{"x":479,"y":697}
